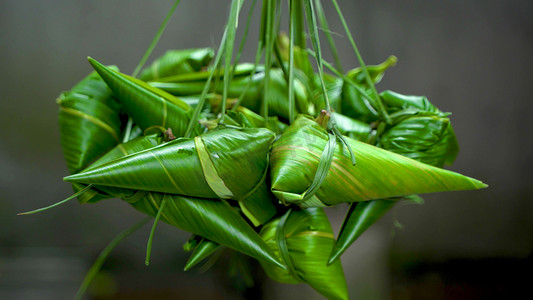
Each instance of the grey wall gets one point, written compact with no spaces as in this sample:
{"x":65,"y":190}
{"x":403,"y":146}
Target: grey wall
{"x":472,"y":58}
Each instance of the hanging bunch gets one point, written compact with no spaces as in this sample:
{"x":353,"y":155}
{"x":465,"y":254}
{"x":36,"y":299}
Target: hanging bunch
{"x":246,"y":156}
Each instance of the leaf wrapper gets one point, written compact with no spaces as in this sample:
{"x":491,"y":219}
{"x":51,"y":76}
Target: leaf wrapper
{"x":227,"y":163}
{"x":146,"y":105}
{"x":175,"y":62}
{"x":304,"y":239}
{"x":378,"y":173}
{"x":215,"y":220}
{"x":89,"y":124}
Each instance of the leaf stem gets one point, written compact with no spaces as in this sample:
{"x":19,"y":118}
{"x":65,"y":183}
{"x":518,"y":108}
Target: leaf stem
{"x":324,"y":23}
{"x":155,"y":40}
{"x":201,"y":101}
{"x":381,"y":107}
{"x":151,"y":237}
{"x":292,"y":33}
{"x":344,"y":77}
{"x":269,"y":41}
{"x":228,"y":50}
{"x":85,"y":189}
{"x":315,"y":40}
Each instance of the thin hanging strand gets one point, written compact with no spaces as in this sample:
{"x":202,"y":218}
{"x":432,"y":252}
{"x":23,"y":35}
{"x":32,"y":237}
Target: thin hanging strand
{"x":344,"y":77}
{"x":80,"y":192}
{"x":324,"y":24}
{"x":145,"y":57}
{"x":313,"y":28}
{"x":315,"y":40}
{"x":155,"y":40}
{"x":381,"y":107}
{"x":95,"y":268}
{"x":258,"y":56}
{"x":269,"y":41}
{"x":244,"y":37}
{"x":200,"y":105}
{"x":232,"y":25}
{"x":292,"y":28}
{"x":151,"y":237}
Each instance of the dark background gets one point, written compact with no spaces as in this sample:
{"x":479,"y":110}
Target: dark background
{"x":472,"y":58}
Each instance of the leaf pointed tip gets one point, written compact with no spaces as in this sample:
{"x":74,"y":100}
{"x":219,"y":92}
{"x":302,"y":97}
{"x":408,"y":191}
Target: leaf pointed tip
{"x":333,"y":257}
{"x":478,"y":184}
{"x":91,"y":60}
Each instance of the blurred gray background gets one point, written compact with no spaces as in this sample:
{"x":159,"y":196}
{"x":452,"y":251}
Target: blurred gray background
{"x":472,"y":58}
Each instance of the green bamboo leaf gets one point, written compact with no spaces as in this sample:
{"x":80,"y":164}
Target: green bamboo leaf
{"x":420,"y":132}
{"x":215,"y":170}
{"x":215,"y":220}
{"x":352,"y":128}
{"x":301,"y":57}
{"x":89,"y":123}
{"x":242,"y":69}
{"x":304,"y":239}
{"x":176,"y":62}
{"x":203,"y":249}
{"x":396,"y":102}
{"x":378,"y":174}
{"x":359,"y":218}
{"x":249,"y":119}
{"x":135,"y":145}
{"x":251,"y":88}
{"x":257,"y":204}
{"x":426,"y":138}
{"x":334,"y":87}
{"x":278,"y":91}
{"x":235,"y":232}
{"x":146,"y":105}
{"x":355,"y":94}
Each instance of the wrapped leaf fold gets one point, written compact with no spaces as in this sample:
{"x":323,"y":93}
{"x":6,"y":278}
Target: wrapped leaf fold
{"x":303,"y":239}
{"x":378,"y":173}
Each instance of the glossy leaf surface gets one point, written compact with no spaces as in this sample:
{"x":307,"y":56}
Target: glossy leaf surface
{"x":304,"y":240}
{"x":175,"y":62}
{"x":210,"y":166}
{"x":146,"y":105}
{"x":212,"y":219}
{"x":378,"y":173}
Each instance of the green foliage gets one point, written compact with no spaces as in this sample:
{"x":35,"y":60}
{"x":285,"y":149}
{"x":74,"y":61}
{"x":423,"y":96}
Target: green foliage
{"x":240,"y":162}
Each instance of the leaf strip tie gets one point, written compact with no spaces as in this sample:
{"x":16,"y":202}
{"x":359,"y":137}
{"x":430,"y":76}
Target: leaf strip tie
{"x":215,"y":182}
{"x":166,"y":171}
{"x":93,"y":120}
{"x":244,"y":209}
{"x":263,"y":177}
{"x":282,"y":245}
{"x":343,"y":140}
{"x":326,"y":158}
